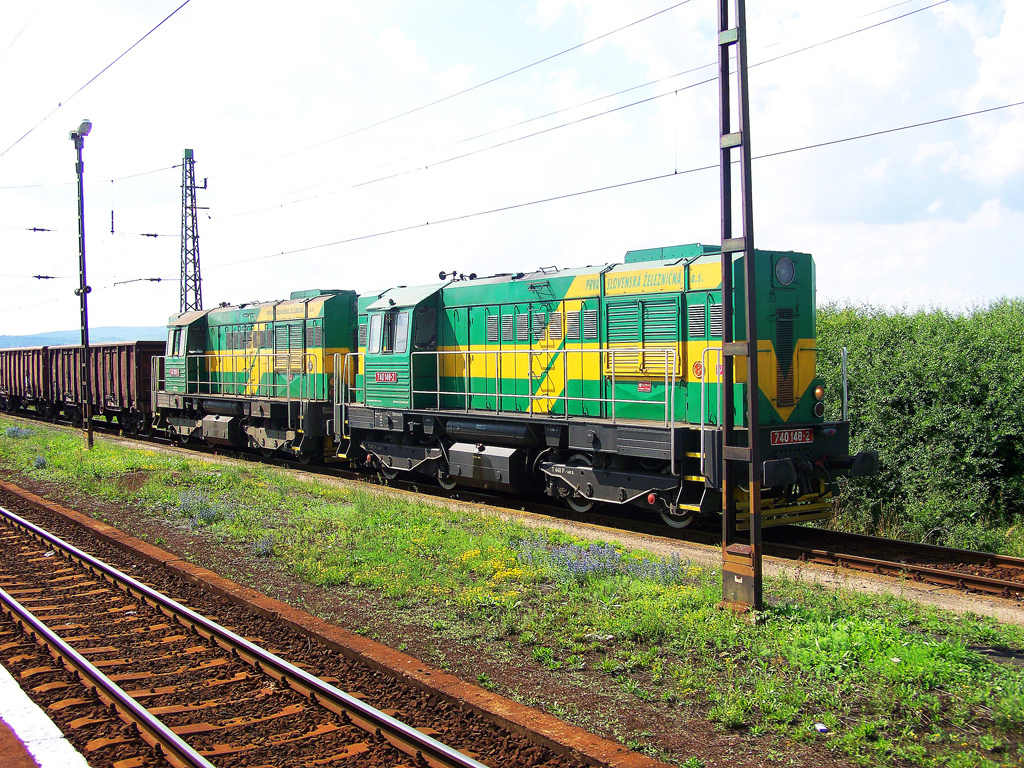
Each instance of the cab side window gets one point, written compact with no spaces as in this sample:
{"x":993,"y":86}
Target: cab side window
{"x":426,"y":328}
{"x":389,"y":333}
{"x":176,"y":342}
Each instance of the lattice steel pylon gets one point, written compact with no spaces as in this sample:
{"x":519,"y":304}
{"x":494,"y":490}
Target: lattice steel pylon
{"x":741,"y":563}
{"x":191,"y":279}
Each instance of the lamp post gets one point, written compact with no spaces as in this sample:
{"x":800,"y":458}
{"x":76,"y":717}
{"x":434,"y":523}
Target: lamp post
{"x":83,"y":289}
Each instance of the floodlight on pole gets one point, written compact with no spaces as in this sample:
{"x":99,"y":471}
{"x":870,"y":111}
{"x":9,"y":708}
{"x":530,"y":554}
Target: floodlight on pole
{"x":83,"y":289}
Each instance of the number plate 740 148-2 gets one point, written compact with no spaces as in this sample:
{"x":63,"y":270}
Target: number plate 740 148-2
{"x":792,"y":436}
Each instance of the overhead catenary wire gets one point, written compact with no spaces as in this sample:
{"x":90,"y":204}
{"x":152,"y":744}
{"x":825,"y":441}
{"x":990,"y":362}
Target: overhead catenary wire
{"x":605,"y":188}
{"x":355,"y":131}
{"x":91,"y":231}
{"x":100,"y":289}
{"x":570,"y":123}
{"x":15,"y":38}
{"x":521,"y":122}
{"x":490,"y":81}
{"x":91,"y":80}
{"x":566,"y":196}
{"x":648,"y":99}
{"x":93,"y":181}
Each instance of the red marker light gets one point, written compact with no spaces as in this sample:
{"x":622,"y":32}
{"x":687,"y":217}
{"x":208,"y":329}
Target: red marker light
{"x":651,"y":498}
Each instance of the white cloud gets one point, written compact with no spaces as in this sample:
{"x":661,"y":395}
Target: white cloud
{"x":277,"y":107}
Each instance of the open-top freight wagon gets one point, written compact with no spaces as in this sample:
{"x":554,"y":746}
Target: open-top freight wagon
{"x":48,"y":380}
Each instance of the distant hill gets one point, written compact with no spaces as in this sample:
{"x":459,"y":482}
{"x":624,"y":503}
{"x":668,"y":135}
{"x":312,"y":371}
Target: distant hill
{"x":96,"y":336}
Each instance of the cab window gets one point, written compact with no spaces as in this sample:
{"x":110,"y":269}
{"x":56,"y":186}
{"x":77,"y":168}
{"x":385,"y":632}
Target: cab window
{"x":373,"y":342}
{"x":389,"y":333}
{"x":401,"y":332}
{"x":176,"y":342}
{"x":425,"y":336}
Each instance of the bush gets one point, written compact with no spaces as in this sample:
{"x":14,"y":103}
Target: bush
{"x":18,"y":433}
{"x":940,"y":396}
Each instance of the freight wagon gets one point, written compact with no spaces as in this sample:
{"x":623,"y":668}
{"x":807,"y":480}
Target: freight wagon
{"x":48,"y":381}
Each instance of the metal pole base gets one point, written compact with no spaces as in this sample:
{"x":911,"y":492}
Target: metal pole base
{"x":741,"y":586}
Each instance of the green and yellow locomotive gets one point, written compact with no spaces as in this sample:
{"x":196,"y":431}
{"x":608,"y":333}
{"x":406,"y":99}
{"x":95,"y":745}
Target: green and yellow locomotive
{"x":599,"y":384}
{"x":257,"y":375}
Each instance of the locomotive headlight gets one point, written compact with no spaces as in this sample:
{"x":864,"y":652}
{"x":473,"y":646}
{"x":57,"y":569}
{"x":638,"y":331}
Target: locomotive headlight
{"x":819,"y":409}
{"x":819,"y":392}
{"x":785,"y":270}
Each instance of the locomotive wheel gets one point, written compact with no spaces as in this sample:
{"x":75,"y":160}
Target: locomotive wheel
{"x":184,"y":438}
{"x":445,"y":480}
{"x":576,"y":501}
{"x":388,"y":472}
{"x":266,"y":453}
{"x":307,"y":457}
{"x":677,"y":520}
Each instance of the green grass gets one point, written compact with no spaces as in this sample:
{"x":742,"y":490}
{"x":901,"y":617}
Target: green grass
{"x":880,"y":680}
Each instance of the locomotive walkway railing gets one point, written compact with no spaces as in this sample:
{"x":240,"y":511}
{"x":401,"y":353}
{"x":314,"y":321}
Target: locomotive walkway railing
{"x":652,"y":364}
{"x":250,"y":375}
{"x":538,"y":369}
{"x":704,"y":427}
{"x":291,"y":377}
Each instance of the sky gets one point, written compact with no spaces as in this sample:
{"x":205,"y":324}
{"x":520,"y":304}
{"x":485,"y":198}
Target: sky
{"x":350,"y":144}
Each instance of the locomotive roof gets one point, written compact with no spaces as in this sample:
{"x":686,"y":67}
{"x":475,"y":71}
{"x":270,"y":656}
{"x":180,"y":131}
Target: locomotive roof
{"x":555,"y":273}
{"x":405,"y":296}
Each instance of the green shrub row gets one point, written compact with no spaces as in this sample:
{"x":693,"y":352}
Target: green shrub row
{"x":940,"y":396}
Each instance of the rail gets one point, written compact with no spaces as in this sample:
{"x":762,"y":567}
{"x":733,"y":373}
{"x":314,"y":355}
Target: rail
{"x":402,"y":736}
{"x":173,"y":748}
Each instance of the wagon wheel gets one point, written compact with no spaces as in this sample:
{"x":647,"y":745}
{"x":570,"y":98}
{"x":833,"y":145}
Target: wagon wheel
{"x":307,"y":457}
{"x":445,"y":480}
{"x":184,"y":437}
{"x":266,"y":453}
{"x":387,"y":472}
{"x":678,"y":519}
{"x":576,"y":501}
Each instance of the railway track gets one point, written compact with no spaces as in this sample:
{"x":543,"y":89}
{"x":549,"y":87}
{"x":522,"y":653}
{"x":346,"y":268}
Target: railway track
{"x":979,"y":572}
{"x":153,"y":682}
{"x":982,"y":572}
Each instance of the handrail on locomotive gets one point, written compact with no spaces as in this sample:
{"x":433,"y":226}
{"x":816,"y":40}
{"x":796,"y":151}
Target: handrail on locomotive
{"x":354,"y":395}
